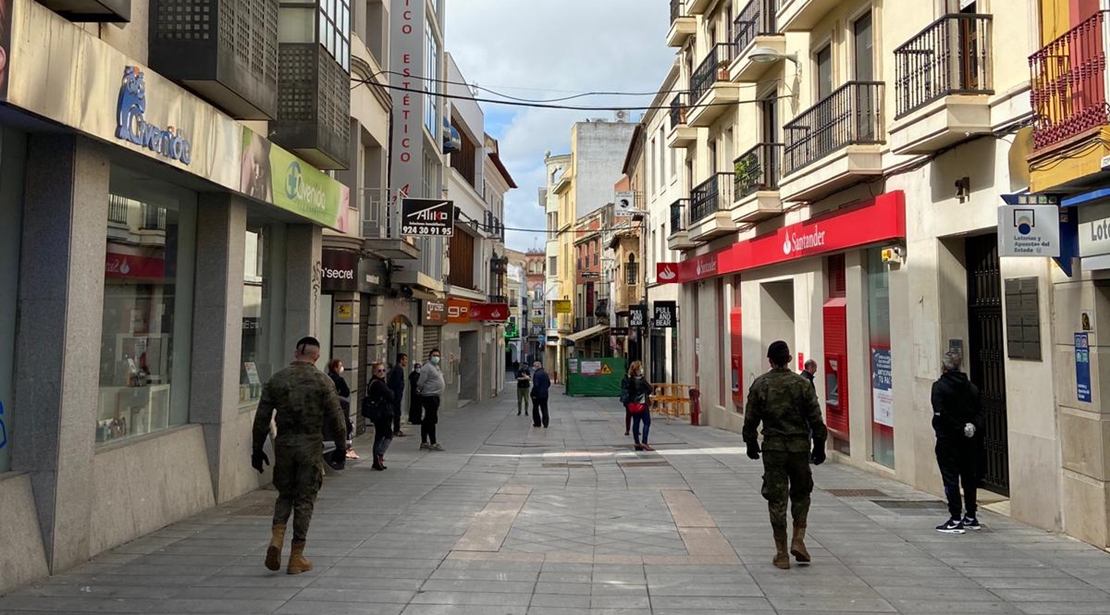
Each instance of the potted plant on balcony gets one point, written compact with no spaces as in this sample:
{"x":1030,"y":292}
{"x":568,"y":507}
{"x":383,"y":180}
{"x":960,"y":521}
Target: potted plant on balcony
{"x":747,"y":172}
{"x":722,"y":70}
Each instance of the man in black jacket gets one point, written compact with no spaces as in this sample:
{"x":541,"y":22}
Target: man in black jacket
{"x":396,"y":383}
{"x":958,"y":423}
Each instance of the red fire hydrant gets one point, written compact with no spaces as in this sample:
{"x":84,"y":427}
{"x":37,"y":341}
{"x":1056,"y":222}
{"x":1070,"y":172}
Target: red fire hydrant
{"x":695,"y":407}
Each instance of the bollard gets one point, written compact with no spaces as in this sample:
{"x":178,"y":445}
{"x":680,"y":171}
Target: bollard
{"x":695,"y":407}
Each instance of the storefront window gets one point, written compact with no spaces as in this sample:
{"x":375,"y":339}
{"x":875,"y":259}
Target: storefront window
{"x":148,"y":295}
{"x":11,"y":206}
{"x":882,"y":400}
{"x":263,"y":321}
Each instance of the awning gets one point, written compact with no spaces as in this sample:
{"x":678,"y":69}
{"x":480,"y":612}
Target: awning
{"x":594,"y":331}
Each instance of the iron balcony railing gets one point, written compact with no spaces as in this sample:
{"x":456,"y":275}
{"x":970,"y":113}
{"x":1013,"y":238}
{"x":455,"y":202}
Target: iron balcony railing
{"x":381,"y":216}
{"x":676,"y":9}
{"x":153,"y":217}
{"x":1069,"y":83}
{"x":757,"y":18}
{"x":677,"y":219}
{"x":678,"y":111}
{"x":757,"y":169}
{"x":708,"y":72}
{"x":117,"y":209}
{"x":851,"y":115}
{"x":711,"y":196}
{"x":951,"y":56}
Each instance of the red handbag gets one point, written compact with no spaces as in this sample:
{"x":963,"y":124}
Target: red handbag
{"x":636,"y":407}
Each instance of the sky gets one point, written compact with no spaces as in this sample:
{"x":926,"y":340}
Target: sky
{"x":543,"y":50}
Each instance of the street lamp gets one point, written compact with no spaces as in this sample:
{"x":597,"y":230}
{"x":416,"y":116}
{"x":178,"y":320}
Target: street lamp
{"x":767,"y":55}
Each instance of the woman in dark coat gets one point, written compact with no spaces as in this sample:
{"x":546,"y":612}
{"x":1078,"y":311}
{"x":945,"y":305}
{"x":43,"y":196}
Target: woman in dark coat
{"x":379,"y":409}
{"x":415,"y":405}
{"x":639,"y":404}
{"x":335,"y":372}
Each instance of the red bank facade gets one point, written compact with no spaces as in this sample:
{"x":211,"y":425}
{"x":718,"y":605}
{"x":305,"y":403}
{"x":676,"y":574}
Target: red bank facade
{"x":822,"y":285}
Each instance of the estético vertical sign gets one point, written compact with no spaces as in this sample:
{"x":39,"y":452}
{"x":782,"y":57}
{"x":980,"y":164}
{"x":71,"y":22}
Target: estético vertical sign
{"x":409,"y":51}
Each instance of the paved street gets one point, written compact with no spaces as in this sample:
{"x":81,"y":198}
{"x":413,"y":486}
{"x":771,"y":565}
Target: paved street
{"x":512,"y":520}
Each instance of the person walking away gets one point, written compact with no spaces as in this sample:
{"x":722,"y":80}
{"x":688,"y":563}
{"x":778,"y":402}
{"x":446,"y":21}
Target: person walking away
{"x":541,"y":388}
{"x":379,"y":407}
{"x":787,"y":406}
{"x":958,"y":423}
{"x":416,"y":406}
{"x":809,"y":372}
{"x":335,"y":372}
{"x":430,"y":385}
{"x":523,"y":383}
{"x":639,"y":405}
{"x":396,"y":382}
{"x":624,"y":402}
{"x":305,"y":402}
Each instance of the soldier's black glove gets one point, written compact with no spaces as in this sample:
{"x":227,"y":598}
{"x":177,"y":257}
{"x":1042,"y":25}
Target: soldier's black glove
{"x":818,"y":456}
{"x":753,"y":449}
{"x":257,"y":459}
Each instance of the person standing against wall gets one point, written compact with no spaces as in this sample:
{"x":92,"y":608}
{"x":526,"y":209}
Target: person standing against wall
{"x":958,"y":423}
{"x":541,"y":388}
{"x":430,"y":385}
{"x":396,"y":382}
{"x":416,"y":405}
{"x":787,"y":406}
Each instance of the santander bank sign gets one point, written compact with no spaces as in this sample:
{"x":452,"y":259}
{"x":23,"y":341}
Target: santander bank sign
{"x":877,"y":220}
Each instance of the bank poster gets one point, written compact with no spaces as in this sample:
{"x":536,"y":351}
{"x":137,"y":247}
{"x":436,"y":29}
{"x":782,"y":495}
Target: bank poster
{"x":274,"y":175}
{"x":1083,"y":367}
{"x":882,"y":393}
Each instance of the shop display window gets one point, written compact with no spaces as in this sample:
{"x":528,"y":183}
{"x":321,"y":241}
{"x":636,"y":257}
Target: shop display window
{"x":263,"y":279}
{"x":147,"y":317}
{"x":880,"y":360}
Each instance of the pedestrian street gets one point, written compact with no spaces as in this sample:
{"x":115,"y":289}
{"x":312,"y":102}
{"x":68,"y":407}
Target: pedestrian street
{"x":515,"y":520}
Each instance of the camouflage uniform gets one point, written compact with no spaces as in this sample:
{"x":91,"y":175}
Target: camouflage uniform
{"x":306,"y":402}
{"x":787,"y":406}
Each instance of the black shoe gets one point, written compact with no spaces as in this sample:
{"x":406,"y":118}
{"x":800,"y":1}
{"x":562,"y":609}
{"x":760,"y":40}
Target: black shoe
{"x":971,"y":523}
{"x":951,"y":526}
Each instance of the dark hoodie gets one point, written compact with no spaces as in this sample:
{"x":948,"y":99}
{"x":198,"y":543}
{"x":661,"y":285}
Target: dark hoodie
{"x":955,"y":403}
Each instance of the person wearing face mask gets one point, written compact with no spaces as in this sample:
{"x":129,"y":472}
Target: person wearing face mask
{"x":378,"y":406}
{"x":335,"y":372}
{"x":430,"y":386}
{"x":541,"y":386}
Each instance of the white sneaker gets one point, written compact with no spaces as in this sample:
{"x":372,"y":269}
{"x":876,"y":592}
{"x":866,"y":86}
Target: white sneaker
{"x":436,"y":447}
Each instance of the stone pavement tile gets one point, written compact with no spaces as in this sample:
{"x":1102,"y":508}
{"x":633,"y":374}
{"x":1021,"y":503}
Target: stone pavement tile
{"x":930,"y":593}
{"x":788,"y":590}
{"x":478,"y":575}
{"x":446,"y":585}
{"x":69,"y":605}
{"x":364,"y":581}
{"x":935,"y":605}
{"x":234,"y":594}
{"x":703,"y":603}
{"x":314,"y":607}
{"x":488,"y":599}
{"x":1009,"y":572}
{"x":555,"y":576}
{"x":1054,"y":583}
{"x":83,"y":590}
{"x":824,"y":605}
{"x":578,"y":601}
{"x":1064,"y":608}
{"x":1052,"y":595}
{"x":736,"y":590}
{"x":215,"y":606}
{"x":568,"y":589}
{"x":334,"y":594}
{"x":619,"y":602}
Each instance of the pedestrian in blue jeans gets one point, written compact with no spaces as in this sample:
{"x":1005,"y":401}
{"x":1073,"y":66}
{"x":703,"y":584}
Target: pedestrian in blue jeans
{"x":541,"y":384}
{"x":639,"y":404}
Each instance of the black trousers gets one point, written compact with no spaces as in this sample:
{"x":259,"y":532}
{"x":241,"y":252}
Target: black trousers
{"x":397,"y":416}
{"x":958,"y":460}
{"x":431,"y":417}
{"x":539,"y":411}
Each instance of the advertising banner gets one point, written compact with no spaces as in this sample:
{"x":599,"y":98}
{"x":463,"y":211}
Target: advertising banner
{"x":275,"y":176}
{"x":489,"y":312}
{"x":427,"y":218}
{"x":665,"y":314}
{"x":562,"y":306}
{"x":882,"y":394}
{"x":624,"y":204}
{"x":637,"y":315}
{"x":1029,"y":230}
{"x":458,"y":311}
{"x":340,"y":270}
{"x":433,"y":312}
{"x":1083,"y":367}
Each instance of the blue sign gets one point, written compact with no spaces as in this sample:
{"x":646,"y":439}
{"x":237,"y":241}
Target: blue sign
{"x":131,"y":124}
{"x":1082,"y":367}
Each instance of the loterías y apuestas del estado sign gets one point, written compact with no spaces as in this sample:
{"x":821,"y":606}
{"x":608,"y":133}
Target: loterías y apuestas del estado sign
{"x":132,"y":125}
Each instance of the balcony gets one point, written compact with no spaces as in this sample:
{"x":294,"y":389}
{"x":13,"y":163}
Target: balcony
{"x":755,"y":185}
{"x":107,"y":11}
{"x":381,"y":227}
{"x":754,"y":27}
{"x":683,"y":25}
{"x":711,"y":93}
{"x":314,"y":103}
{"x":710,"y":202}
{"x":678,"y":238}
{"x":698,"y":7}
{"x":680,"y":134}
{"x":943,"y":84}
{"x":843,"y":132}
{"x":803,"y":15}
{"x":1069,"y":84}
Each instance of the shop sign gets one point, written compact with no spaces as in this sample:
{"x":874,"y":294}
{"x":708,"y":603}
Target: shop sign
{"x":458,"y":311}
{"x":562,"y":306}
{"x":625,"y":205}
{"x":1083,"y":367}
{"x":666,"y":272}
{"x":408,"y":51}
{"x":340,"y":269}
{"x":619,"y":331}
{"x":433,"y":312}
{"x":489,"y":312}
{"x":1094,"y":237}
{"x":880,"y":219}
{"x":275,"y":176}
{"x":589,"y":275}
{"x":882,"y":395}
{"x":427,"y":218}
{"x":637,"y":315}
{"x":1029,"y":230}
{"x":131,"y":124}
{"x":665,"y":314}
{"x":118,"y":265}
{"x":345,"y":311}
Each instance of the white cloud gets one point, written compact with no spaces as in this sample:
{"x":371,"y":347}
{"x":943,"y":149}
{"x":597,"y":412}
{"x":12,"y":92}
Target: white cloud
{"x":544,"y":50}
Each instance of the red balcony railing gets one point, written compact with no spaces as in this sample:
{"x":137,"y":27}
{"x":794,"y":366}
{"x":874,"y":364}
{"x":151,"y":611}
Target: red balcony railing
{"x":1069,"y":83}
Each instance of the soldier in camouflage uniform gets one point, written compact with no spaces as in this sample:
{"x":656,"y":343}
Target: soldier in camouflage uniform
{"x":787,"y":406}
{"x":305,"y":401}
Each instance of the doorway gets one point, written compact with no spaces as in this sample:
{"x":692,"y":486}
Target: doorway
{"x":469,"y":366}
{"x":776,"y":314}
{"x":986,"y":355}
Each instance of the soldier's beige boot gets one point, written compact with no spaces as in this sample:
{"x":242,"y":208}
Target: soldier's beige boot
{"x":782,"y":558}
{"x":273,"y":552}
{"x":798,"y":545}
{"x":297,"y":561}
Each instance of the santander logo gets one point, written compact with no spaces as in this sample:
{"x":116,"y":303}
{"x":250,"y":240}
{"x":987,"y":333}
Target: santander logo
{"x":708,"y":266}
{"x":807,"y":241}
{"x":667,"y":274}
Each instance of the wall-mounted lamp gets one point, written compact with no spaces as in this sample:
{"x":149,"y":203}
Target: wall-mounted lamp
{"x":766,"y":55}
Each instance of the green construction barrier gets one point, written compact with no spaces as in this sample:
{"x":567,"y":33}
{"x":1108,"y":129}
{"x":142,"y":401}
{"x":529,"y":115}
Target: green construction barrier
{"x":594,"y":377}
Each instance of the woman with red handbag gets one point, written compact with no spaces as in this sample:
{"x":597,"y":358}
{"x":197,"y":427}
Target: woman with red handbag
{"x":639,"y":404}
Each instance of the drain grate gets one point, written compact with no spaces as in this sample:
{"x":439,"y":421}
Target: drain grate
{"x":643,"y":464}
{"x":256,"y":510}
{"x":912,"y":504}
{"x":856,"y":493}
